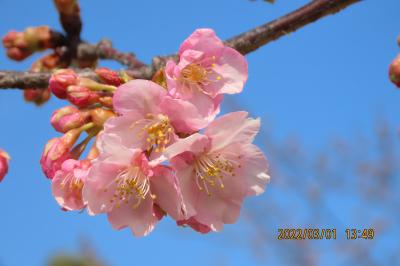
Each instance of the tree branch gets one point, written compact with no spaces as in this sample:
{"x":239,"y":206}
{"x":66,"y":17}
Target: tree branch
{"x":244,"y":43}
{"x":251,"y":40}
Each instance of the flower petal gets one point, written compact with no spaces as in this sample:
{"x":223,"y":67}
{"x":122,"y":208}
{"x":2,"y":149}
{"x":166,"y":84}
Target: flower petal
{"x":141,"y":219}
{"x":232,"y":127}
{"x":203,"y":40}
{"x":196,"y":143}
{"x":164,"y":185}
{"x":232,"y":67}
{"x":140,"y":96}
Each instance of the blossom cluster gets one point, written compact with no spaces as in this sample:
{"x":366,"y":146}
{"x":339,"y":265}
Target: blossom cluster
{"x":160,"y":148}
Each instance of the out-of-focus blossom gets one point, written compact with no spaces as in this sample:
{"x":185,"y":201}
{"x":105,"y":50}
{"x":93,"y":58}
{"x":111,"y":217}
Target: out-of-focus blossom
{"x":4,"y":158}
{"x":67,"y":118}
{"x":207,"y":66}
{"x":219,"y":169}
{"x":394,"y":71}
{"x":68,"y":182}
{"x":124,"y":185}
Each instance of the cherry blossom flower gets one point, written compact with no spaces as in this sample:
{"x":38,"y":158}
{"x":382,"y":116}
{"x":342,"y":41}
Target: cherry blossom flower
{"x":68,"y":182}
{"x":148,"y":117}
{"x":131,"y":191}
{"x":4,"y":158}
{"x":218,"y":170}
{"x":206,"y":66}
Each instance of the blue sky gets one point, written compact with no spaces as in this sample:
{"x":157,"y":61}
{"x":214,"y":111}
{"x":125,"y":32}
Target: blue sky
{"x":327,"y":79}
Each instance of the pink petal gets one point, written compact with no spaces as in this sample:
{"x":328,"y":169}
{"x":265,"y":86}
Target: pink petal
{"x":188,"y":116}
{"x":141,"y":220}
{"x":232,"y":127}
{"x":232,"y":67}
{"x":100,"y":187}
{"x":193,"y":223}
{"x":139,"y":96}
{"x":203,"y":40}
{"x":164,"y":185}
{"x":123,"y":128}
{"x":196,"y":143}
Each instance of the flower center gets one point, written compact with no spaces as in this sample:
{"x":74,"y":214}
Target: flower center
{"x":157,"y":130}
{"x":194,"y":73}
{"x":211,"y":170}
{"x":73,"y":184}
{"x":132,"y":187}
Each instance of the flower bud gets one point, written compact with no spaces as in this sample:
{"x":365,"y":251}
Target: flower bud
{"x":4,"y":158}
{"x":68,"y":118}
{"x":37,"y":96}
{"x":106,"y":101}
{"x":394,"y":71}
{"x":67,"y":7}
{"x":56,"y":151}
{"x":81,"y":96}
{"x":99,"y":116}
{"x":20,"y":45}
{"x":109,"y":77}
{"x":60,"y":81}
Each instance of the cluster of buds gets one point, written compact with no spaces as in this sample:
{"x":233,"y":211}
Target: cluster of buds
{"x":72,"y":122}
{"x":20,"y":45}
{"x":80,"y":91}
{"x":4,"y":158}
{"x":44,"y":64}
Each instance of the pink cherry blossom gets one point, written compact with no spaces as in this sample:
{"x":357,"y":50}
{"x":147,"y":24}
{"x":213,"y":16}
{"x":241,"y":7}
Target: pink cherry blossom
{"x":219,"y":169}
{"x":4,"y":158}
{"x":206,"y":66}
{"x":68,"y":182}
{"x":149,"y":118}
{"x":131,"y":191}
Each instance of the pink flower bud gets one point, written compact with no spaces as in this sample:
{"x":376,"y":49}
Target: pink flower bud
{"x":4,"y":158}
{"x":109,"y":77}
{"x":68,"y":118}
{"x":56,"y":151}
{"x":37,"y":96}
{"x":99,"y":116}
{"x":81,"y":96}
{"x":394,"y":71}
{"x":60,"y":81}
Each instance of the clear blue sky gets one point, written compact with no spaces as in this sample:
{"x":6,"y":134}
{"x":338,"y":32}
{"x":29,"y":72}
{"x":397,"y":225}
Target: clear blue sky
{"x":327,"y":79}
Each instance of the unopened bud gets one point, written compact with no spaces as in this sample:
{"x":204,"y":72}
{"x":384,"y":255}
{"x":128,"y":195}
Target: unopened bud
{"x":394,"y":71}
{"x":67,"y":118}
{"x":81,"y":96}
{"x":99,"y":116}
{"x":20,"y":45}
{"x":159,"y":78}
{"x":37,"y":96}
{"x":109,"y":77}
{"x":57,"y":150}
{"x":4,"y":158}
{"x":106,"y":101}
{"x":60,"y":81}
